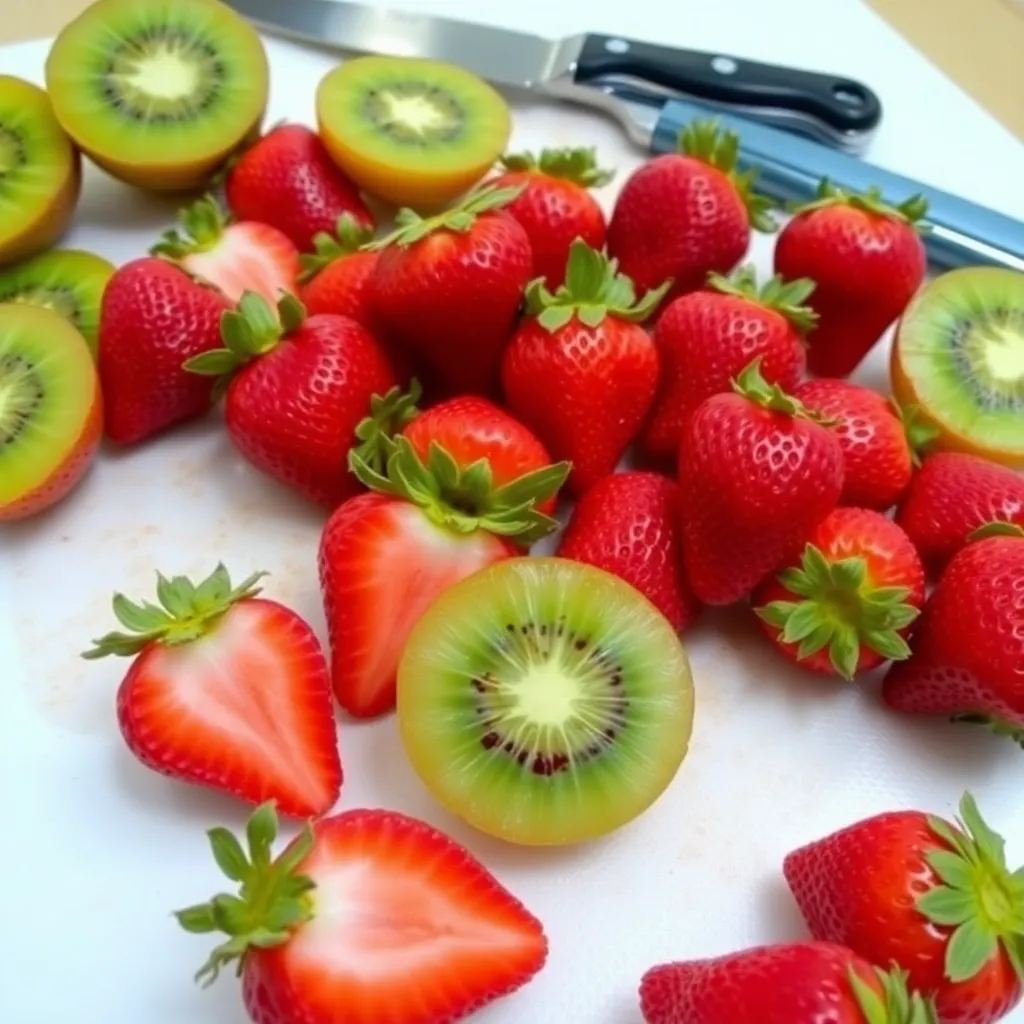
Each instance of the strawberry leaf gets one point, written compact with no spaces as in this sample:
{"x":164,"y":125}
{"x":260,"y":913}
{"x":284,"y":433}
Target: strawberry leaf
{"x":576,"y":165}
{"x":997,"y":528}
{"x":911,"y":211}
{"x":390,"y":413}
{"x":784,"y":297}
{"x":350,"y":236}
{"x":895,"y":1004}
{"x":202,"y":226}
{"x":970,"y":948}
{"x":229,"y":855}
{"x":947,"y":906}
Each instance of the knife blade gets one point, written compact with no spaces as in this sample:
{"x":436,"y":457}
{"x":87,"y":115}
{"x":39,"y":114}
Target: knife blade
{"x":587,"y":68}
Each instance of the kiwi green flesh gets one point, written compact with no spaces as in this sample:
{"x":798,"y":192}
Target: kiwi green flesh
{"x":47,"y":388}
{"x":68,"y":281}
{"x":421,"y":113}
{"x":147,"y":81}
{"x":549,"y":705}
{"x":962,"y":344}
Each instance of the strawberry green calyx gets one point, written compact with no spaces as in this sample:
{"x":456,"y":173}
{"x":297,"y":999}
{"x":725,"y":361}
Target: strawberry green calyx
{"x":896,"y":1004}
{"x":979,"y":898}
{"x":996,"y":528}
{"x":186,"y":612}
{"x":704,"y":140}
{"x":785,"y":297}
{"x":411,"y":227}
{"x":350,"y":235}
{"x":389,"y":414}
{"x":840,"y":609}
{"x":273,"y":897}
{"x":593,"y":289}
{"x":997,"y":726}
{"x":202,"y":225}
{"x":576,"y":165}
{"x":750,"y":383}
{"x":911,"y":211}
{"x":465,"y":499}
{"x":920,"y":434}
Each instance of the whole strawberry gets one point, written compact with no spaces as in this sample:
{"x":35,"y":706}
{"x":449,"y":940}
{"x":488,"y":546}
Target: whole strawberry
{"x":447,"y":290}
{"x":296,"y":390}
{"x":336,"y":278}
{"x":868,"y":260}
{"x":287,"y":180}
{"x":581,"y":371}
{"x":706,"y":338}
{"x":796,"y":983}
{"x":628,"y":524}
{"x":932,"y":897}
{"x":878,"y":441}
{"x":969,"y":642}
{"x":757,"y":474}
{"x":683,"y":215}
{"x":152,"y":318}
{"x":846,"y":605}
{"x":951,"y":496}
{"x":556,"y":207}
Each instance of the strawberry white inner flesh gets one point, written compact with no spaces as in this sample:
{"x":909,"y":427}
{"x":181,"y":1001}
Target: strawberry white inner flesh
{"x":248,"y":258}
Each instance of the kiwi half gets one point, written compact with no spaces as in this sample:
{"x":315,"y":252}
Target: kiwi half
{"x":68,"y":281}
{"x":158,"y":93}
{"x":40,"y":171}
{"x":958,"y":359}
{"x":414,"y":132}
{"x":51,"y":413}
{"x":545,"y":701}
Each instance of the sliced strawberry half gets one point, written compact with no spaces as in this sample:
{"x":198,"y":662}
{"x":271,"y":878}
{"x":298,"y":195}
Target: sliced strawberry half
{"x":233,"y":257}
{"x":367,"y":917}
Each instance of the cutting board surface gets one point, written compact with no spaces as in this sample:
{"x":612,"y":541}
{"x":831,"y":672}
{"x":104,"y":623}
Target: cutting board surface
{"x":97,"y":851}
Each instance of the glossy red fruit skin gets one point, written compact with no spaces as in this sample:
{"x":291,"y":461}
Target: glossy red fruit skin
{"x":857,"y":887}
{"x":553,"y":212}
{"x":293,"y":411}
{"x":753,"y":485}
{"x":950,"y":496}
{"x":342,"y":288}
{"x":969,"y":641}
{"x":450,"y":301}
{"x":288,"y":180}
{"x":866,"y":266}
{"x":677,"y":217}
{"x":877,"y":460}
{"x":585,"y":391}
{"x":704,"y":341}
{"x":153,"y":318}
{"x":628,"y":524}
{"x":805,"y":983}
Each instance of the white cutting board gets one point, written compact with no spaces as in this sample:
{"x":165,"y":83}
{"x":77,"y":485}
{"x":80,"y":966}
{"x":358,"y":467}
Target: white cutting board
{"x":97,"y":851}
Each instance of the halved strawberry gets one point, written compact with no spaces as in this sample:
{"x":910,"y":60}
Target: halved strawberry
{"x":367,"y":917}
{"x":229,"y":691}
{"x":234,"y":257}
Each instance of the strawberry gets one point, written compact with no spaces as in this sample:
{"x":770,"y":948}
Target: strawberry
{"x":152,"y":318}
{"x":296,"y":390}
{"x":386,"y":556}
{"x":683,"y":215}
{"x":932,"y":897}
{"x":706,"y":338}
{"x":233,"y":256}
{"x":227,"y":690}
{"x":757,"y":473}
{"x":969,"y":643}
{"x":953,"y":494}
{"x":868,"y":260}
{"x":795,"y":983}
{"x":287,"y":180}
{"x":447,"y":290}
{"x":628,"y":524}
{"x":337,"y":277}
{"x":878,"y":440}
{"x":580,"y":370}
{"x":555,"y":207}
{"x":847,"y":603}
{"x":366,"y":917}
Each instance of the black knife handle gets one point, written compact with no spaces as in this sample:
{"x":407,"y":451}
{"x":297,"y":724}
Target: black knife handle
{"x":846,"y":105}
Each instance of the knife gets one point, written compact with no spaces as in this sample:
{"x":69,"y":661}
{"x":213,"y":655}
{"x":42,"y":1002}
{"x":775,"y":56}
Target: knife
{"x":654,"y":91}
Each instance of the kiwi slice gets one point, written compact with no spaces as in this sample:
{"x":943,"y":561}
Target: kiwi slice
{"x":159,"y":93}
{"x":68,"y":281}
{"x":40,"y":171}
{"x":958,"y":360}
{"x":545,"y":701}
{"x":414,"y":132}
{"x":50,"y":408}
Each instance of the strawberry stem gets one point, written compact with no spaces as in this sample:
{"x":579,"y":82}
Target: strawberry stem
{"x":389,"y":414}
{"x":576,"y":165}
{"x":350,"y":235}
{"x":896,"y":1004}
{"x":273,"y":898}
{"x":752,"y":385}
{"x":784,"y":297}
{"x":998,"y":726}
{"x":911,"y":211}
{"x":186,"y":612}
{"x":202,"y":227}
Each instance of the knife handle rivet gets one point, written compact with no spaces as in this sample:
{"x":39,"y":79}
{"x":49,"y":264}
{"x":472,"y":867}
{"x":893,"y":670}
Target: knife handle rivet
{"x":616,"y":45}
{"x":724,"y":65}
